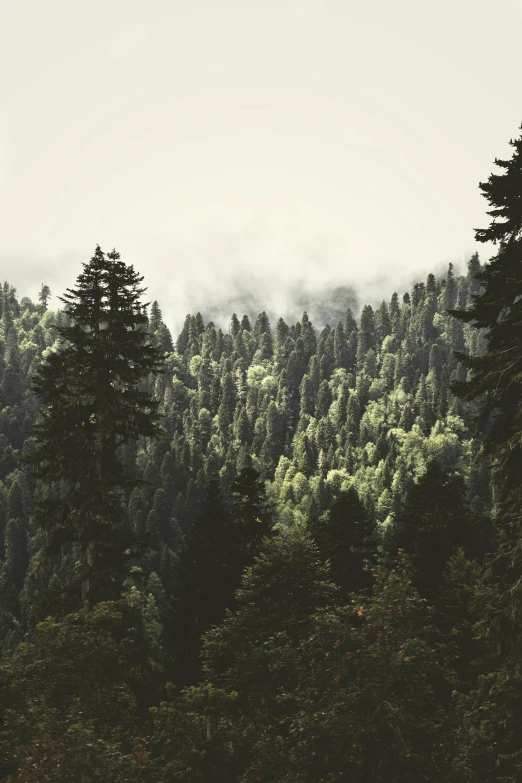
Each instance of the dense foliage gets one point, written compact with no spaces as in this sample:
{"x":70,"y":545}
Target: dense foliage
{"x":263,"y":554}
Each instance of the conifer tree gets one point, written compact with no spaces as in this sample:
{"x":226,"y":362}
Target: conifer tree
{"x":341,"y":350}
{"x":492,"y":714}
{"x":235,"y":326}
{"x":382,"y":321}
{"x":250,"y":513}
{"x":372,"y":694}
{"x":366,"y":334}
{"x":432,"y":524}
{"x":91,"y":405}
{"x":207,"y":586}
{"x":156,"y":318}
{"x":279,"y":593}
{"x":346,"y":537}
{"x":43,"y":297}
{"x":12,"y":377}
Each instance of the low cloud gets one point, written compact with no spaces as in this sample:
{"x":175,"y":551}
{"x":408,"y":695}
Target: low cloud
{"x":241,"y":273}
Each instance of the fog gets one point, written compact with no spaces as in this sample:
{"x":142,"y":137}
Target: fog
{"x":246,"y":155}
{"x":255,"y":278}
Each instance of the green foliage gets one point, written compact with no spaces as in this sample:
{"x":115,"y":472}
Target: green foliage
{"x":491,"y":712}
{"x":346,"y":536}
{"x":433,"y":523}
{"x":67,"y":717}
{"x":91,"y":406}
{"x":264,"y":470}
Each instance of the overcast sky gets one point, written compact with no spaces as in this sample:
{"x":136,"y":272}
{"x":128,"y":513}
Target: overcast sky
{"x":267,"y":140}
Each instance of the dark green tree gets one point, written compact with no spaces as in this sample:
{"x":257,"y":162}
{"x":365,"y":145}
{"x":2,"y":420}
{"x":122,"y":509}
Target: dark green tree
{"x":341,"y":350}
{"x":366,"y":334}
{"x":493,"y":711}
{"x":346,"y":536}
{"x":76,"y":694}
{"x":91,"y":405}
{"x":43,"y":297}
{"x":207,"y":582}
{"x":372,"y":695}
{"x":278,"y":596}
{"x":251,"y":515}
{"x":432,"y":524}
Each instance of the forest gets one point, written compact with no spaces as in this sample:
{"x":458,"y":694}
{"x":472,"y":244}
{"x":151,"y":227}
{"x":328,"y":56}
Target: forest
{"x":268,"y":552}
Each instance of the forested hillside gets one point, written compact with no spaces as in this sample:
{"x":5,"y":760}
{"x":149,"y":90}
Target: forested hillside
{"x":353,"y":415}
{"x":258,"y":554}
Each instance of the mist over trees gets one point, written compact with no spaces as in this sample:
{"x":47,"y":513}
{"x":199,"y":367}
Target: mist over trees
{"x":271,"y":552}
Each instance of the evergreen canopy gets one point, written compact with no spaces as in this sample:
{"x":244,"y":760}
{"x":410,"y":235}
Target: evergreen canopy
{"x":92,"y":404}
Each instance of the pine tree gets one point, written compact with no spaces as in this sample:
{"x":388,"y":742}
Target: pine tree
{"x":12,"y":381}
{"x":366,"y":334}
{"x":43,"y":297}
{"x":433,"y":523}
{"x":382,"y":321}
{"x":324,"y":400}
{"x":250,"y":513}
{"x":371,"y":703}
{"x":155,"y":320}
{"x":346,"y":537}
{"x":278,"y":596}
{"x":341,"y":351}
{"x":206,"y":582}
{"x":91,"y":406}
{"x":474,"y":269}
{"x":493,"y":711}
{"x":235,"y":326}
{"x":307,"y":396}
{"x":262,"y":325}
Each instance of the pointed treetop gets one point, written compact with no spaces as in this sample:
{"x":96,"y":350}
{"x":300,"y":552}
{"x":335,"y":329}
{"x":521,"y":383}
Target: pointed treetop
{"x":503,"y":193}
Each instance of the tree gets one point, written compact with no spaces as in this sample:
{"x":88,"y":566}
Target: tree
{"x":91,"y":405}
{"x":250,"y":512}
{"x":75,"y":696}
{"x":366,"y":334}
{"x":156,"y":319}
{"x":341,"y":350}
{"x":221,"y":544}
{"x":262,"y":325}
{"x":12,"y":382}
{"x":493,"y":710}
{"x":43,"y":297}
{"x":474,"y":269}
{"x":382,"y":321}
{"x":235,"y":326}
{"x":433,"y":523}
{"x":346,"y":537}
{"x":279,"y":594}
{"x":495,"y":376}
{"x":372,"y":692}
{"x":206,"y":584}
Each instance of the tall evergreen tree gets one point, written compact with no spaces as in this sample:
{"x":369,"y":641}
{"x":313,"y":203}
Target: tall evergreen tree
{"x":432,"y":524}
{"x":43,"y":297}
{"x":91,"y":405}
{"x":207,"y":584}
{"x":371,"y":703}
{"x":346,"y":537}
{"x":279,"y":594}
{"x":493,"y":711}
{"x":366,"y":334}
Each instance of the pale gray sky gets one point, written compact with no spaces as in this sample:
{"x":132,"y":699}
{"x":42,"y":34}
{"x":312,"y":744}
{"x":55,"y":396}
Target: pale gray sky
{"x":272,"y":139}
